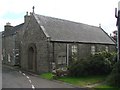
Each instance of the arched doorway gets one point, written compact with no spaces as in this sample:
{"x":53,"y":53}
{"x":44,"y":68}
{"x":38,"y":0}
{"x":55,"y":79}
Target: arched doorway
{"x":32,"y":58}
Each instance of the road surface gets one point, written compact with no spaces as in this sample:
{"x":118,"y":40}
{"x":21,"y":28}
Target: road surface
{"x":12,"y":78}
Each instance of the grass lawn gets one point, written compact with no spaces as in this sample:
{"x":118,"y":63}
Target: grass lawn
{"x":47,"y":76}
{"x":101,"y":86}
{"x":80,"y":81}
{"x":83,"y":81}
{"x":105,"y":87}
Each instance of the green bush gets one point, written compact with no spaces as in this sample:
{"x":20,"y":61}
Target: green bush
{"x":98,"y":64}
{"x":114,"y":77}
{"x":110,"y":57}
{"x":77,"y":68}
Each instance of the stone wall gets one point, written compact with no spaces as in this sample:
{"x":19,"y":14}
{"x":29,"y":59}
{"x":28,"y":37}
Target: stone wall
{"x":34,"y":35}
{"x":83,"y":50}
{"x":8,"y":48}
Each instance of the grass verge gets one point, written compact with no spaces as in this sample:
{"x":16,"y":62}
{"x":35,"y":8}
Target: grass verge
{"x":83,"y":81}
{"x":105,"y":87}
{"x":78,"y":81}
{"x":48,"y":76}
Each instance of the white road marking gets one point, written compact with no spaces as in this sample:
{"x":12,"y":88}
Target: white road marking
{"x":24,"y":74}
{"x":33,"y":87}
{"x":27,"y":77}
{"x":30,"y":81}
{"x":20,"y":72}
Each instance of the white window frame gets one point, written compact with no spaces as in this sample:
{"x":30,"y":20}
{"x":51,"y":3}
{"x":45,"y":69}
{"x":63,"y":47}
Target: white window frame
{"x":9,"y":59}
{"x":74,"y":50}
{"x":93,"y":49}
{"x":106,"y":49}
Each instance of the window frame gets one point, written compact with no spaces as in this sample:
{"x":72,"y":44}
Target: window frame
{"x":106,"y":48}
{"x":74,"y":52}
{"x":93,"y":49}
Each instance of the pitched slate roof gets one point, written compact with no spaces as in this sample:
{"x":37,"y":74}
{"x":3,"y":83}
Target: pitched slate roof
{"x":13,"y":30}
{"x":68,"y":31}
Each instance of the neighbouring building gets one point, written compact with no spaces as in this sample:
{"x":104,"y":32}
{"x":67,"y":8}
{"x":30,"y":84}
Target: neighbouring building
{"x":0,"y":47}
{"x":42,"y":42}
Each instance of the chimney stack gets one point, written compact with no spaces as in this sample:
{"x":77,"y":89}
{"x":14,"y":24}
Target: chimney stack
{"x":26,"y":18}
{"x":100,"y":25}
{"x":8,"y":26}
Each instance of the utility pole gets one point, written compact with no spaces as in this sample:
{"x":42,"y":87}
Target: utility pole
{"x":117,"y":15}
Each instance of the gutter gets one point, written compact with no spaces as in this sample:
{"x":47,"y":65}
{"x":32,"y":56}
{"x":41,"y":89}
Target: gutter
{"x":79,"y":42}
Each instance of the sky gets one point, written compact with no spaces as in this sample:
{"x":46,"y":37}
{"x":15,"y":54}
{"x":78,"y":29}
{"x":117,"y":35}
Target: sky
{"x":91,"y":12}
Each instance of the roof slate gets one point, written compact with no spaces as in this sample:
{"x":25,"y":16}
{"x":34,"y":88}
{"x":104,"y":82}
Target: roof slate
{"x":69,"y":31}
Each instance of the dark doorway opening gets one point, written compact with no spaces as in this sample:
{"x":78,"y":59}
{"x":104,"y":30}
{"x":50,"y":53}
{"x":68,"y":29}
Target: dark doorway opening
{"x":32,"y":59}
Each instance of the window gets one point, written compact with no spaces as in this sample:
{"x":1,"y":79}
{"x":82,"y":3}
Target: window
{"x":74,"y":49}
{"x":106,"y":48}
{"x":9,"y":58}
{"x":74,"y":52}
{"x":93,"y":50}
{"x":61,"y":60}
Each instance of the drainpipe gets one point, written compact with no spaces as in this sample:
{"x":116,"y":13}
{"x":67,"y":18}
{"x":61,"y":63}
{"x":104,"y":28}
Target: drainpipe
{"x":67,"y":54}
{"x":48,"y":54}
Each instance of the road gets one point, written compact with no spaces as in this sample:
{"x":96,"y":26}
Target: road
{"x":12,"y":78}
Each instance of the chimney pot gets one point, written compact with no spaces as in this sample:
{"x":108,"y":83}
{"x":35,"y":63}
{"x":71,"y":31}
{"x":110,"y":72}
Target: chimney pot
{"x":26,"y":18}
{"x":26,"y":13}
{"x":8,"y":24}
{"x":100,"y":25}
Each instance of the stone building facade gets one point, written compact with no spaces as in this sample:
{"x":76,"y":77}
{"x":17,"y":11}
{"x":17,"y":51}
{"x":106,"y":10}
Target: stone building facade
{"x":42,"y":42}
{"x":10,"y":44}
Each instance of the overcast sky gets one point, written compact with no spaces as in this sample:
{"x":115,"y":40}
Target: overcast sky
{"x":92,"y":12}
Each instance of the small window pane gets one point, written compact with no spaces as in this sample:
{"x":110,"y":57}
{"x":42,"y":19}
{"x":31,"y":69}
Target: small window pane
{"x":74,"y":52}
{"x":93,"y":50}
{"x":106,"y":48}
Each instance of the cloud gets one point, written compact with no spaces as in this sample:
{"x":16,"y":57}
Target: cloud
{"x":90,"y":12}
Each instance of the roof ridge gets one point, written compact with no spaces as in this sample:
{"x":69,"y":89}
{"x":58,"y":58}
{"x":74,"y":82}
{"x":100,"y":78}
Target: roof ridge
{"x":18,"y":25}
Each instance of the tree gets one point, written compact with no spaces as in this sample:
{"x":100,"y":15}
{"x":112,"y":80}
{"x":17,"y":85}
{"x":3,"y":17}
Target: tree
{"x":114,"y":77}
{"x":115,"y":35}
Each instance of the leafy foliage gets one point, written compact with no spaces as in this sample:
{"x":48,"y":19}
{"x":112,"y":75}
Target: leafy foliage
{"x":114,"y":78}
{"x":47,"y":75}
{"x":99,"y":64}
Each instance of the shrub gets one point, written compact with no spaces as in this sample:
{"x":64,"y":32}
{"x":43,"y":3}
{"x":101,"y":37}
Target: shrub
{"x":110,"y":57}
{"x":98,"y":64}
{"x":77,"y":68}
{"x":114,"y":77}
